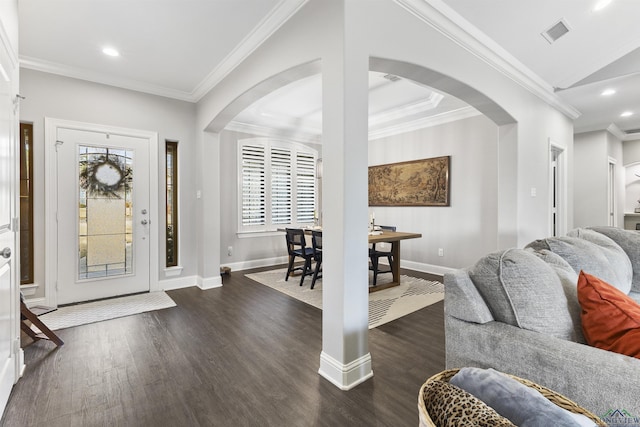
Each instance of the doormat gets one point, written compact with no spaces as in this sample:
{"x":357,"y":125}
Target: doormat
{"x":97,"y":311}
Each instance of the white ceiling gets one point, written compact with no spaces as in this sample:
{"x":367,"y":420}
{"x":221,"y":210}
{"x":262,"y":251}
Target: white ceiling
{"x":182,"y":48}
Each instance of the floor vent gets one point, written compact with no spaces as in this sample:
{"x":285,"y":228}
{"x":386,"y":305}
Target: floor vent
{"x":556,"y":31}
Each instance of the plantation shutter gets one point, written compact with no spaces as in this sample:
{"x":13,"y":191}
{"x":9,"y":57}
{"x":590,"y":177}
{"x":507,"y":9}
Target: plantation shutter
{"x":253,"y":185}
{"x":281,"y":182}
{"x":305,"y":187}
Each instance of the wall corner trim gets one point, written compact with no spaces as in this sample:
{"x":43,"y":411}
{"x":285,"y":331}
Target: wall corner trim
{"x":205,"y":283}
{"x":345,"y":377}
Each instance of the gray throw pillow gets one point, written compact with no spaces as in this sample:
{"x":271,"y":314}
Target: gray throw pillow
{"x":629,"y":241}
{"x":617,"y":257}
{"x":582,"y":255}
{"x":569,"y":280}
{"x":520,"y":404}
{"x":522,"y":290}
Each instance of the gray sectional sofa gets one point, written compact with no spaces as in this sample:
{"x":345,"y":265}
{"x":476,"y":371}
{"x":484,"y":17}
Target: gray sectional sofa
{"x":517,"y":311}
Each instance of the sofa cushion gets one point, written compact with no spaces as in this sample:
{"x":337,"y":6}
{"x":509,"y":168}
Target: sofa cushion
{"x":450,"y":406}
{"x":522,"y":290}
{"x":610,"y":319}
{"x":582,"y":255}
{"x":617,"y":257}
{"x":569,"y":280}
{"x":629,"y":241}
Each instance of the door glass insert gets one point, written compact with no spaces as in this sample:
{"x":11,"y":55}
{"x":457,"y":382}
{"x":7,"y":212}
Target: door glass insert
{"x":105,"y":220}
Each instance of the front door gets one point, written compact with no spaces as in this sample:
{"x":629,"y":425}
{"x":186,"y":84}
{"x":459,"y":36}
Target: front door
{"x":103,"y":214}
{"x":8,"y":224}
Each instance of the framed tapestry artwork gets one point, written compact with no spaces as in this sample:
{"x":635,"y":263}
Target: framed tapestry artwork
{"x":415,"y":183}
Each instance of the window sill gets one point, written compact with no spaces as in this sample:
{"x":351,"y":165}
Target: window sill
{"x":173,"y":271}
{"x":250,"y":234}
{"x":30,"y":289}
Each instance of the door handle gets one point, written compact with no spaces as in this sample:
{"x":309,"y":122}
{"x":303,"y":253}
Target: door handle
{"x":144,"y":222}
{"x":6,"y":252}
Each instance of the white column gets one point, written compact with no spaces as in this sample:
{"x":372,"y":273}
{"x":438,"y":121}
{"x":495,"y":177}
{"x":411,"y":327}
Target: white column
{"x":209,"y":215}
{"x":345,"y":358}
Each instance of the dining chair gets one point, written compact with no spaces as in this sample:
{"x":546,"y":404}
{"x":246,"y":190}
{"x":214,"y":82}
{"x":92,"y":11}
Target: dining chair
{"x":316,"y":244}
{"x":375,"y":254}
{"x":297,"y":247}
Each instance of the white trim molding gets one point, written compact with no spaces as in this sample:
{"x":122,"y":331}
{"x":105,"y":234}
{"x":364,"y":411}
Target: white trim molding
{"x":269,"y":25}
{"x":179,"y":283}
{"x":345,"y":377}
{"x":280,"y":14}
{"x":426,"y":268}
{"x":448,"y":22}
{"x":102,"y":78}
{"x":206,"y":283}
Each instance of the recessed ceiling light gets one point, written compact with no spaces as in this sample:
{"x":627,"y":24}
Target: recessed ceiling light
{"x":601,"y":5}
{"x":626,"y":114}
{"x":608,"y":92}
{"x":109,"y":51}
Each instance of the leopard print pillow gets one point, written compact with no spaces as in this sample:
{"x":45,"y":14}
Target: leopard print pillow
{"x":450,"y":406}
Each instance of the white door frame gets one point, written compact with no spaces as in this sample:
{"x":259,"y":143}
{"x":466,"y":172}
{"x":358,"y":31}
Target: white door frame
{"x":612,"y":196}
{"x":51,"y":199}
{"x":560,"y":188}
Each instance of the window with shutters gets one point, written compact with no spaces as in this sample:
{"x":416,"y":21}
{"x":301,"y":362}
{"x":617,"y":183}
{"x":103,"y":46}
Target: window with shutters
{"x":277,"y":184}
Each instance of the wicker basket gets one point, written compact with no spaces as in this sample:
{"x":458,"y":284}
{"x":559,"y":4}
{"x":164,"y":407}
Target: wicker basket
{"x":557,"y":398}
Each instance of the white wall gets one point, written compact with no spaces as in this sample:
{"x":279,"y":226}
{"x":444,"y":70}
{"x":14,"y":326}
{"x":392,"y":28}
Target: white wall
{"x":590,"y":179}
{"x":467,"y":229}
{"x":631,"y":152}
{"x":392,"y":32}
{"x":49,"y":95}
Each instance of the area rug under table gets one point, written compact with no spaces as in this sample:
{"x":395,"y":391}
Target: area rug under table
{"x":384,"y":306}
{"x":97,"y":311}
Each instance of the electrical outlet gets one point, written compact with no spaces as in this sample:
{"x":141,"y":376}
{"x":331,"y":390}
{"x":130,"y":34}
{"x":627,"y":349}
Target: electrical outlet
{"x":440,"y":252}
{"x":230,"y":250}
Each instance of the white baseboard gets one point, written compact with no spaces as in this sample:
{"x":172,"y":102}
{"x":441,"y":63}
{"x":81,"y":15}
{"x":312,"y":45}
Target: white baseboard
{"x":205,"y":283}
{"x":256,"y":263}
{"x":178,"y":283}
{"x":426,"y":268}
{"x":268,"y":262}
{"x":345,"y":377}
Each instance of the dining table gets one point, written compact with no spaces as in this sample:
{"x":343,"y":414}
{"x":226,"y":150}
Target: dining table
{"x":383,"y":236}
{"x":393,"y":237}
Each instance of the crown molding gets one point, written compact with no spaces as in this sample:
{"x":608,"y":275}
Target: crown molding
{"x":616,"y":131}
{"x":406,"y":110}
{"x":425,"y":122}
{"x":102,"y":78}
{"x":309,"y":136}
{"x":297,"y":134}
{"x":445,"y":20}
{"x":269,"y":25}
{"x":622,"y":135}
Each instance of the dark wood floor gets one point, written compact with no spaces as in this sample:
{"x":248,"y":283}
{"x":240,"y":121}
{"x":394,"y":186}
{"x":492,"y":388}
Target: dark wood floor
{"x":240,"y":355}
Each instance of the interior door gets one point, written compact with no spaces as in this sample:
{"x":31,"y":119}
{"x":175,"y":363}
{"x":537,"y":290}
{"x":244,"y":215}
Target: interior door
{"x":8,"y":281}
{"x":103,"y":215}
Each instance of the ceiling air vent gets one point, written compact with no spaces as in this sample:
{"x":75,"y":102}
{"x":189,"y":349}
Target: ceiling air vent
{"x":556,"y":31}
{"x":632,"y":131}
{"x":391,"y":77}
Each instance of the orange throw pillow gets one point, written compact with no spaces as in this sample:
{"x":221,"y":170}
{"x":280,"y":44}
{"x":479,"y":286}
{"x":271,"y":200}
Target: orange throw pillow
{"x":610,"y":319}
